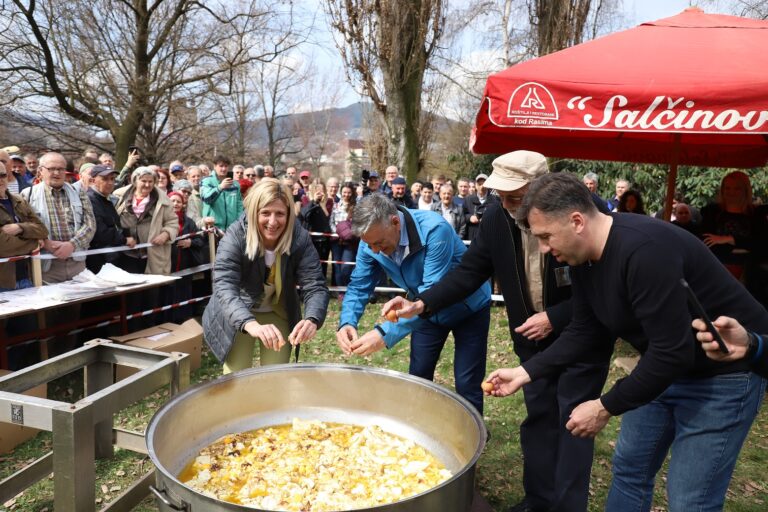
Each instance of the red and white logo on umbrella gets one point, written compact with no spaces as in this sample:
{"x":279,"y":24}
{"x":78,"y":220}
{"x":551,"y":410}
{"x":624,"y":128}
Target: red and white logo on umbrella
{"x":532,"y":101}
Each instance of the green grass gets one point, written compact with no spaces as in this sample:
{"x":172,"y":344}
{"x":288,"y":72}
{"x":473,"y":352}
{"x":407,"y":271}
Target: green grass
{"x":499,"y":475}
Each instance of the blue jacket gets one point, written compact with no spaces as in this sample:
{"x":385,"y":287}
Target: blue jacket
{"x":434,"y":249}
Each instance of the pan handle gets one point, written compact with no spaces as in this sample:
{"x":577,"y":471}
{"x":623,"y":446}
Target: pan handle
{"x":163,"y":496}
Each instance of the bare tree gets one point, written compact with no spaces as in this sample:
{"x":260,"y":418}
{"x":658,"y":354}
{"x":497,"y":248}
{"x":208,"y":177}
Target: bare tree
{"x":236,"y":115}
{"x":276,"y":85}
{"x":386,"y":46}
{"x":124,"y":66}
{"x":757,"y":9}
{"x":315,"y":127}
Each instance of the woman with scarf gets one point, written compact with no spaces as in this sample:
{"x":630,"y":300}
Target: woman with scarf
{"x":185,"y":253}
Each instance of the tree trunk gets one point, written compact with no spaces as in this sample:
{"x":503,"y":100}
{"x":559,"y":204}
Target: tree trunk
{"x":403,"y":113}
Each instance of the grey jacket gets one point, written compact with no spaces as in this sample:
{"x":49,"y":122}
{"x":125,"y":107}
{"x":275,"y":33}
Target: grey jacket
{"x":459,"y":224}
{"x":238,"y":285}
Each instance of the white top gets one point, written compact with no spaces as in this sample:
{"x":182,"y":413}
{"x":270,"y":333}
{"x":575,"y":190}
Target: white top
{"x":447,"y":213}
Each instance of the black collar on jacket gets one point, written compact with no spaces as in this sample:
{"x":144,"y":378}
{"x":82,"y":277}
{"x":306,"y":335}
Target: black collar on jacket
{"x":414,"y":240}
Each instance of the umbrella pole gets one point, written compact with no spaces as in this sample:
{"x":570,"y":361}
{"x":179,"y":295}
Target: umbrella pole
{"x":672,"y":178}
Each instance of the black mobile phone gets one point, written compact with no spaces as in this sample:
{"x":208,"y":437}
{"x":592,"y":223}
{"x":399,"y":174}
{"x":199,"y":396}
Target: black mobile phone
{"x":703,"y":315}
{"x":131,"y":149}
{"x":230,"y":175}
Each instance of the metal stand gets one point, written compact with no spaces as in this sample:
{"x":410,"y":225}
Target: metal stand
{"x":83,"y":431}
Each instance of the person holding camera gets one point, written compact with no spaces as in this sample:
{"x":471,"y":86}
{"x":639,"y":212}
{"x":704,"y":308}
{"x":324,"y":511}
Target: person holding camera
{"x":370,"y":182}
{"x":315,"y":217}
{"x":221,"y":195}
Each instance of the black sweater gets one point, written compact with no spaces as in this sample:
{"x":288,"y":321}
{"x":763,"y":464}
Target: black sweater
{"x":634,"y":292}
{"x":496,"y":250}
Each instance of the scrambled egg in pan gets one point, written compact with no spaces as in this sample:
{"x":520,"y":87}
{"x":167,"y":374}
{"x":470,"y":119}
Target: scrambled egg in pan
{"x":313,"y":466}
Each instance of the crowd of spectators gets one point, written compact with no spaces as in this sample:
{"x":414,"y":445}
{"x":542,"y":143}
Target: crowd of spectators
{"x":86,"y":203}
{"x":734,"y":226}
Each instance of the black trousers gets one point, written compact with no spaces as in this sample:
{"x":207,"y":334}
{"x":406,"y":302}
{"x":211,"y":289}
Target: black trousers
{"x":556,"y":464}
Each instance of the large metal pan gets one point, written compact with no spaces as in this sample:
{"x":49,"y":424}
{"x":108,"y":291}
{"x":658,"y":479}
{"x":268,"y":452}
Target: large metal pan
{"x":404,"y":405}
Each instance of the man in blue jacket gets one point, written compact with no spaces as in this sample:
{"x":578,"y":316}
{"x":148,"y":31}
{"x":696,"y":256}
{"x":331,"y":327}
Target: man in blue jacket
{"x":415,"y":248}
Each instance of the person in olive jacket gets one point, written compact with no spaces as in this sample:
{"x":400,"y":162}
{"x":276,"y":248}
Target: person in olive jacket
{"x":263,"y":256}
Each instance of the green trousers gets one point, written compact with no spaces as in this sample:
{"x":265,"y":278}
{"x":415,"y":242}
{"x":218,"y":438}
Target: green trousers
{"x":240,"y":356}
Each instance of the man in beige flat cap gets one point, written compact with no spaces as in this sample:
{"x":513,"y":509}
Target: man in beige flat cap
{"x":537,"y":291}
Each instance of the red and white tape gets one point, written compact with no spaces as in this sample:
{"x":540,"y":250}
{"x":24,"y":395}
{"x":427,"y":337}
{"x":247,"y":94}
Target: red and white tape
{"x":91,"y":252}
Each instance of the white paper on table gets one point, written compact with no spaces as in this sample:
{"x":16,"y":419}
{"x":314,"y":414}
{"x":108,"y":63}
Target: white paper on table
{"x":120,"y":277}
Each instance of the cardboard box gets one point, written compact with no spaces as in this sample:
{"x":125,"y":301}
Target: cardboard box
{"x":168,"y":337}
{"x":13,"y":435}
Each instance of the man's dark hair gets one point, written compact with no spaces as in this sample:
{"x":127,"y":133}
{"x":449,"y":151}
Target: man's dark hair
{"x":427,"y":185}
{"x":221,"y":159}
{"x":555,"y":194}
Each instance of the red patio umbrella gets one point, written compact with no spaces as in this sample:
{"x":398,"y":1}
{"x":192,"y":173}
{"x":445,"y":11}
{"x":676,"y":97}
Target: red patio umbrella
{"x":689,"y":89}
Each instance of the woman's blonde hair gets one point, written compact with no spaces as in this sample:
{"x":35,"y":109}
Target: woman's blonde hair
{"x":742,"y":179}
{"x":258,"y":197}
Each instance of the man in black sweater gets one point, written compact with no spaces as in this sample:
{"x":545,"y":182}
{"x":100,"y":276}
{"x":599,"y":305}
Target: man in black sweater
{"x":537,"y":291}
{"x":626,"y":272}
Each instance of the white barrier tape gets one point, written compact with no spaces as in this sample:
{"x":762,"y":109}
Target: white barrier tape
{"x":92,"y":252}
{"x":384,"y":289}
{"x":166,"y":308}
{"x":16,"y":258}
{"x":338,"y":262}
{"x":104,"y":250}
{"x":192,"y":270}
{"x":334,"y":235}
{"x":116,"y":319}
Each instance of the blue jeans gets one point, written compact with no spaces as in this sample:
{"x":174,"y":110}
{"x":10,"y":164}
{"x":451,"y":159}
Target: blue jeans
{"x":471,"y":346}
{"x":704,"y":422}
{"x":342,"y":273}
{"x":20,"y":285}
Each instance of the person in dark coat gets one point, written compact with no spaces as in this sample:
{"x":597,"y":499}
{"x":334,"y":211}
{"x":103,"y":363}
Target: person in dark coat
{"x":316,"y":217}
{"x":475,"y":205}
{"x":185,"y":253}
{"x":109,"y":232}
{"x":736,"y":231}
{"x":450,"y":211}
{"x":399,"y":194}
{"x":537,"y":295}
{"x":263,"y":256}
